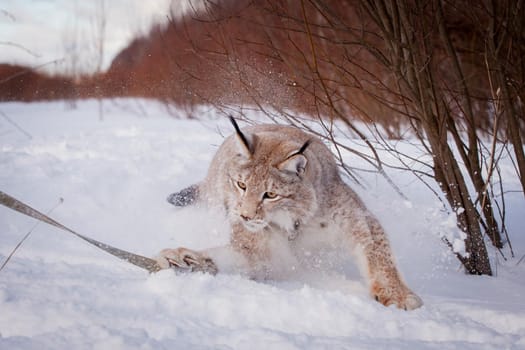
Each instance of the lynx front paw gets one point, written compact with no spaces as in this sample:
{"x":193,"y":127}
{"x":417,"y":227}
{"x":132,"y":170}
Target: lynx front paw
{"x":401,"y":296}
{"x":187,"y":260}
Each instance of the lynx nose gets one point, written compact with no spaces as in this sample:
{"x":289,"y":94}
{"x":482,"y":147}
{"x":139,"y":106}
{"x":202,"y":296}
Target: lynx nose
{"x":245,"y":217}
{"x":248,"y":210}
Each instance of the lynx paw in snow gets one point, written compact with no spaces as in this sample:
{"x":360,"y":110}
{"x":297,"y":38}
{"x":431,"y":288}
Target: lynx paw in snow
{"x":186,"y":260}
{"x":400,"y":296}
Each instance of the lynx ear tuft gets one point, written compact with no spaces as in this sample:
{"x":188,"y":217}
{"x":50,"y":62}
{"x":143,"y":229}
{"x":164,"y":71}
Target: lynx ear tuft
{"x":245,"y":142}
{"x":295,"y":164}
{"x":296,"y":161}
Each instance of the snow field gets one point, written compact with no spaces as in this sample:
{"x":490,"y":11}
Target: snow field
{"x":114,"y":173}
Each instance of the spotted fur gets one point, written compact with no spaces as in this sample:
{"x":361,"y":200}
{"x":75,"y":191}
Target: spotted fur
{"x":281,"y":192}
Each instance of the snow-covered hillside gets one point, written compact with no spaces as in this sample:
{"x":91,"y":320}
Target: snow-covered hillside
{"x":114,"y":173}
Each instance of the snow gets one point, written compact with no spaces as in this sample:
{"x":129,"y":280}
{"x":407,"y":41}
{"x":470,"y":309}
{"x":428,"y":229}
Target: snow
{"x":114,"y":172}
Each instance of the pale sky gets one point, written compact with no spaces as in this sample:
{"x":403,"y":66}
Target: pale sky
{"x":36,"y":32}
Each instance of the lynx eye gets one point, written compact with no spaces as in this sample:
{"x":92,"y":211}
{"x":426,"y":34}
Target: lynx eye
{"x":270,"y":195}
{"x":241,"y":185}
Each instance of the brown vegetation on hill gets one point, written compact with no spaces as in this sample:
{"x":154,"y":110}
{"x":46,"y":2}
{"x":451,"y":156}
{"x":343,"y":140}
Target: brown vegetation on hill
{"x":19,"y":83}
{"x":204,"y":60}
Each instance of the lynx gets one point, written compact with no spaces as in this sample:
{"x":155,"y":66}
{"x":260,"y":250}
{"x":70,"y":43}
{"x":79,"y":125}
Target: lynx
{"x":282,"y":194}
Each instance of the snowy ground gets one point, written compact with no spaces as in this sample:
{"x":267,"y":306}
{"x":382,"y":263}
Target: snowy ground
{"x":114,"y":173}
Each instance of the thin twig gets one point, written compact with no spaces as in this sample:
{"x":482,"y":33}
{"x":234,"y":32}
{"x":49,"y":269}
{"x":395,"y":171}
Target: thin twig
{"x":60,"y":201}
{"x":519,"y":261}
{"x":8,"y":15}
{"x":29,"y":136}
{"x":21,"y":47}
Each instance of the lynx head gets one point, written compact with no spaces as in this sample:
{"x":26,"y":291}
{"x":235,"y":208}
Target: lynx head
{"x":269,"y":181}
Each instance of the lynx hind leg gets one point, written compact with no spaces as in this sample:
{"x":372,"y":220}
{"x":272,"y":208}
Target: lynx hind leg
{"x":185,"y":197}
{"x":186,"y":260}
